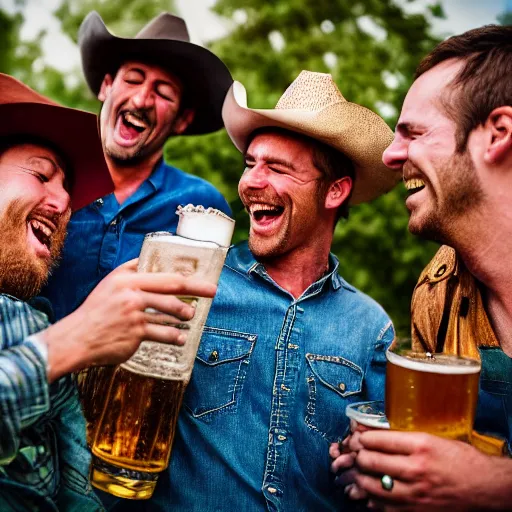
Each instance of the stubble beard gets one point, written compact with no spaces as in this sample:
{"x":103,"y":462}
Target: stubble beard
{"x":22,"y":273}
{"x":463,"y":193}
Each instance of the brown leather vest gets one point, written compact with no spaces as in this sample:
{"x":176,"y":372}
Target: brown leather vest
{"x":447,"y":312}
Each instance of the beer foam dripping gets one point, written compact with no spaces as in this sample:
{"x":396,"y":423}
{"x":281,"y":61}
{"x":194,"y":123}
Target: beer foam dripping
{"x":434,"y":363}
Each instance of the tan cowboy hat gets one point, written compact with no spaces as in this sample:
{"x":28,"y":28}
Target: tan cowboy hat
{"x":72,"y":132}
{"x":164,"y":42}
{"x":314,"y":106}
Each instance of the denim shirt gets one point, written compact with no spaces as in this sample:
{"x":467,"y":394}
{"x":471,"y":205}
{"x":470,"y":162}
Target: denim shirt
{"x":269,"y":388}
{"x":494,"y":411}
{"x":44,"y":461}
{"x":105,"y":234}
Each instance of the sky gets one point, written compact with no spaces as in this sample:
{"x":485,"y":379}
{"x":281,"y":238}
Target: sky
{"x":61,"y":53}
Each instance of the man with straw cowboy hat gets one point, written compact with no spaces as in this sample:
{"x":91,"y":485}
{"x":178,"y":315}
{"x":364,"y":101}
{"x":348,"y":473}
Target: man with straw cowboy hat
{"x":288,"y":342}
{"x":51,"y":161}
{"x":153,"y":86}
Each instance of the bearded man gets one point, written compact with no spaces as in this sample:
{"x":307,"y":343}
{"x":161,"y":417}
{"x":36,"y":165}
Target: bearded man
{"x":51,"y":162}
{"x":453,"y":144}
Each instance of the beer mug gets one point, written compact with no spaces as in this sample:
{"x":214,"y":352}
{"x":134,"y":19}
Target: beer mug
{"x":135,"y":432}
{"x":434,"y":393}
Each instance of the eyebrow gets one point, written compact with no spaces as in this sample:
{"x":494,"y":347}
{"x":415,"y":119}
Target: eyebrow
{"x":55,"y":165}
{"x":272,"y":160}
{"x":405,"y":128}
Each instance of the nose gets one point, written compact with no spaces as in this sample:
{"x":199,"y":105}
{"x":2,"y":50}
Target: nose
{"x":57,"y":197}
{"x":143,"y":98}
{"x":255,"y":177}
{"x":395,"y":154}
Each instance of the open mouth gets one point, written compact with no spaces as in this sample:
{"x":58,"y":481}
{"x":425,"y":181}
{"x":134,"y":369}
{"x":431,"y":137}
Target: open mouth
{"x":265,"y":213}
{"x":414,"y":185}
{"x":131,"y":125}
{"x":42,"y":230}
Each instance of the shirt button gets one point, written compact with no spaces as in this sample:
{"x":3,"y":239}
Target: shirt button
{"x":342,"y":386}
{"x":99,"y":202}
{"x":114,"y":222}
{"x":281,"y":438}
{"x":214,"y":356}
{"x":271,"y":490}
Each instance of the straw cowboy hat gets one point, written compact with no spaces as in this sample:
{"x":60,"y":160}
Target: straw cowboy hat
{"x":164,"y":42}
{"x":72,"y":132}
{"x":314,"y":106}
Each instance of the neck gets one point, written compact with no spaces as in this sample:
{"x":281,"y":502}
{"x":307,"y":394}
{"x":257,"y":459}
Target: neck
{"x":298,"y":269}
{"x":486,"y":249}
{"x":128,"y":178}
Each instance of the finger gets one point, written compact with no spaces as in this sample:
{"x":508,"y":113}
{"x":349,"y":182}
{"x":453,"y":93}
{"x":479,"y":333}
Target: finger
{"x":165,"y":305}
{"x":129,"y":266}
{"x":334,"y":450}
{"x":346,"y":477}
{"x":354,"y":444}
{"x":343,"y":462}
{"x":378,"y":463}
{"x":152,"y":316}
{"x":402,"y":494}
{"x":174,"y":284}
{"x":165,"y":334}
{"x":397,"y":442}
{"x":355,"y":492}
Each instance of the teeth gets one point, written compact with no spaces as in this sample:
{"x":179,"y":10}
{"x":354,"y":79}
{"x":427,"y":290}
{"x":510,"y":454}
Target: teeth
{"x":132,"y":119}
{"x":41,"y":227}
{"x":257,"y":207}
{"x":414,"y":183}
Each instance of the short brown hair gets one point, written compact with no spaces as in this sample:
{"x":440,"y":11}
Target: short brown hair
{"x":483,"y":82}
{"x":332,"y":163}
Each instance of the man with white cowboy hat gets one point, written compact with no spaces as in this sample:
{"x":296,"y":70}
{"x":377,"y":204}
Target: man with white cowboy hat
{"x":47,"y":169}
{"x":288,"y":342}
{"x":153,"y":86}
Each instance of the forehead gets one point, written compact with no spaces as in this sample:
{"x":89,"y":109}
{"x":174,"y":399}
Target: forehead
{"x":426,"y":94}
{"x":23,"y":153}
{"x":275,"y":145}
{"x":151,"y":71}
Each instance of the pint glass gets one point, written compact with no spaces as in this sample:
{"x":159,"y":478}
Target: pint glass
{"x":134,"y":434}
{"x":434,"y":393}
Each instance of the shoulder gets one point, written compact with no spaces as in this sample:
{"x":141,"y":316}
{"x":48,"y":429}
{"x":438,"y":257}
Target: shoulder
{"x":196,"y":189}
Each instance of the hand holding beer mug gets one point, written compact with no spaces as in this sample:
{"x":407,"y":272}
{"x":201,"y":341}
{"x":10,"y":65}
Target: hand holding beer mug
{"x":134,"y":435}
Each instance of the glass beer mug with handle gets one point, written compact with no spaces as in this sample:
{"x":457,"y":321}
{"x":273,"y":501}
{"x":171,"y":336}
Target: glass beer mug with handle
{"x":134,"y":435}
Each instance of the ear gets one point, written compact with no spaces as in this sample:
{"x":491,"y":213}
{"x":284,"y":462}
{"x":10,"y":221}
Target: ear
{"x":499,"y":124}
{"x":338,"y":192}
{"x":183,"y":122}
{"x":105,"y":88}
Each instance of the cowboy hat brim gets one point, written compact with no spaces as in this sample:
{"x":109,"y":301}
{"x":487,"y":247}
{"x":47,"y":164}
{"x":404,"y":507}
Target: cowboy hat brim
{"x":352,"y":129}
{"x":72,"y":132}
{"x":206,"y":78}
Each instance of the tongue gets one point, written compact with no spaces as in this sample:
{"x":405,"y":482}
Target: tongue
{"x":127,"y":132}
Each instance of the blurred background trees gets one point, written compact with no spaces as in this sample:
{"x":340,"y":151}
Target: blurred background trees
{"x":371,"y":48}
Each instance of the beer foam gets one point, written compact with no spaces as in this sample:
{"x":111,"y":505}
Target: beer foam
{"x":437,"y":363}
{"x":165,"y":237}
{"x":208,"y":225}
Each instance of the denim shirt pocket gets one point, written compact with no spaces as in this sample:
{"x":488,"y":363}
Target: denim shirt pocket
{"x":219,"y":372}
{"x":333,"y":382}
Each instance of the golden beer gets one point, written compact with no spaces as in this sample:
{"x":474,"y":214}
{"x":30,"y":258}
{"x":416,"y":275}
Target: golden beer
{"x":93,"y":384}
{"x":432,"y":393}
{"x":140,"y":404}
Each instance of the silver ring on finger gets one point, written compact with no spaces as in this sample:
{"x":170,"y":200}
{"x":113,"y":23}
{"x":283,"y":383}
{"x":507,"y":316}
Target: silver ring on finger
{"x":387,"y":482}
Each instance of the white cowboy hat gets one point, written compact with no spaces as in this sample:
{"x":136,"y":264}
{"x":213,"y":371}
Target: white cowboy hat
{"x":314,"y":106}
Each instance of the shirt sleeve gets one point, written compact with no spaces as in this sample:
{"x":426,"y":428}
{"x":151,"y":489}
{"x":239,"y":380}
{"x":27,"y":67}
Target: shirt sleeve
{"x":24,"y":393}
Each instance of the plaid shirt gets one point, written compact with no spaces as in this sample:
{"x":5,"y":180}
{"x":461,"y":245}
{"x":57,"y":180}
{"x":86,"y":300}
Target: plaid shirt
{"x":44,"y":461}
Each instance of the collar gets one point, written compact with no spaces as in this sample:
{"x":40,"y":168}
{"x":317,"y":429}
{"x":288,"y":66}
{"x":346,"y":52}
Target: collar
{"x":240,"y":259}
